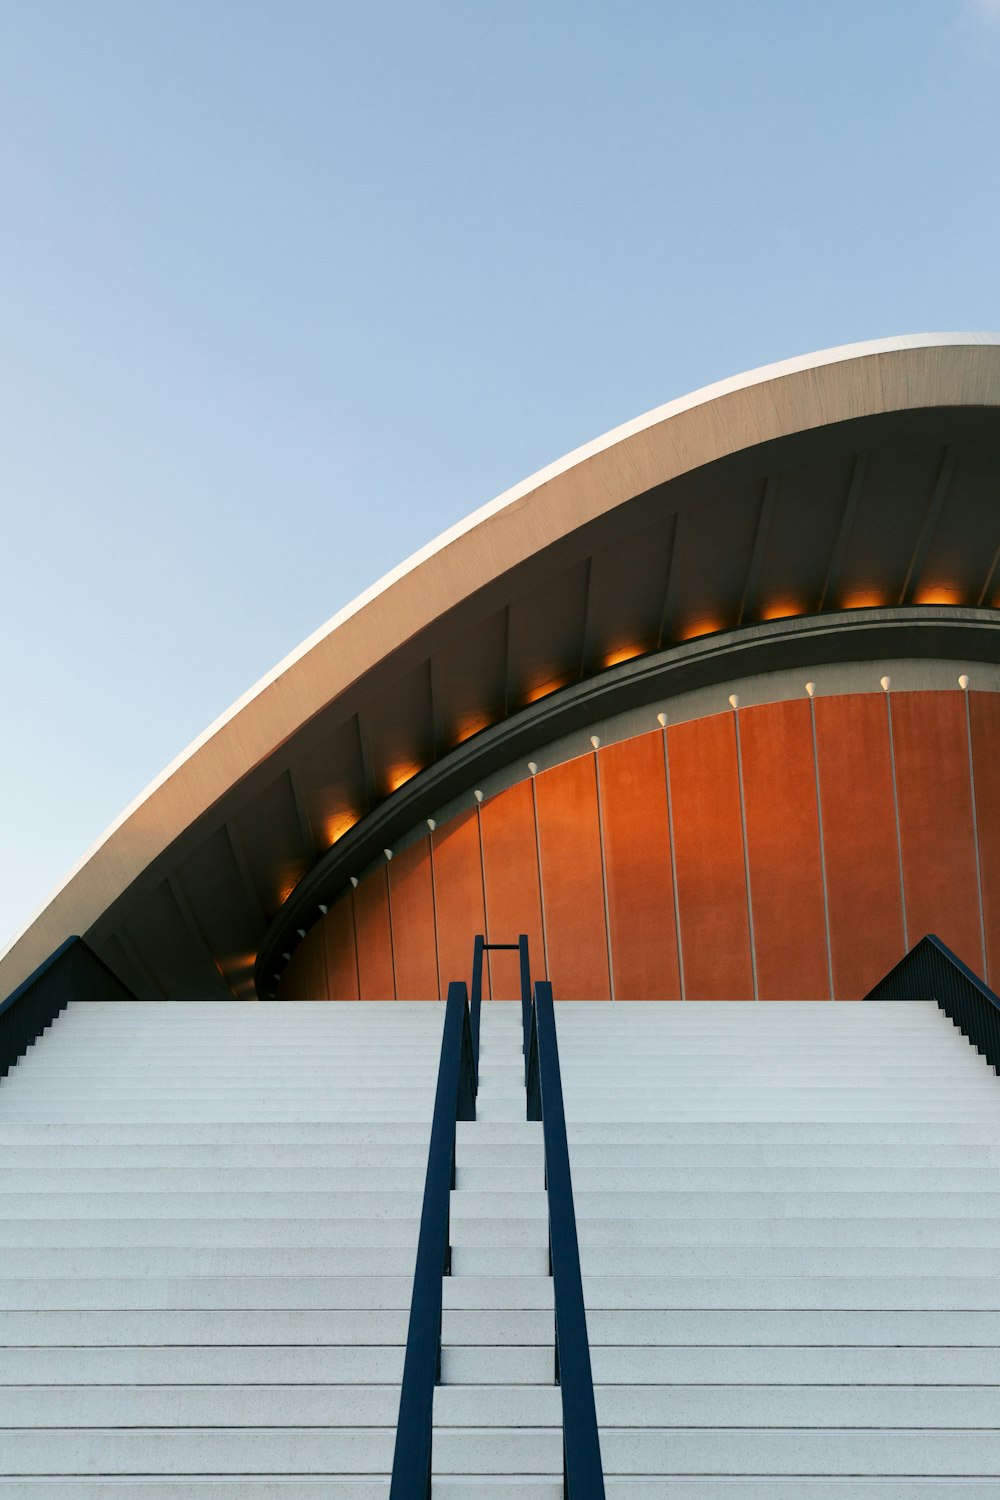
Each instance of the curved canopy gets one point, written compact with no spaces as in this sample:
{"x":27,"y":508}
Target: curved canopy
{"x":865,"y":475}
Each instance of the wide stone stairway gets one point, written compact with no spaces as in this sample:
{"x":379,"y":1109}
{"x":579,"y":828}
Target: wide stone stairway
{"x":208,"y":1226}
{"x":789,"y":1219}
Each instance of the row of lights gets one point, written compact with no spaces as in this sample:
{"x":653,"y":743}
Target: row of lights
{"x":884,"y":682}
{"x":661,"y":719}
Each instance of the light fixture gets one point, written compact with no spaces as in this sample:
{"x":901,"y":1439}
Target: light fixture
{"x":277,"y":980}
{"x":286,"y":957}
{"x":532,"y":766}
{"x":478,"y":795}
{"x":963,"y":682}
{"x":595,"y":740}
{"x":301,"y":931}
{"x":810,"y":688}
{"x":734,"y":700}
{"x":431,"y":824}
{"x":323,"y":909}
{"x":387,"y":853}
{"x":354,"y":881}
{"x":885,"y":681}
{"x":661,"y":719}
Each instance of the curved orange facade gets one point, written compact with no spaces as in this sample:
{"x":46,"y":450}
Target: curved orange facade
{"x":788,"y":851}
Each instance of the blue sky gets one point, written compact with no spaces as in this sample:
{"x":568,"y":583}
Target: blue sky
{"x":289,"y":287}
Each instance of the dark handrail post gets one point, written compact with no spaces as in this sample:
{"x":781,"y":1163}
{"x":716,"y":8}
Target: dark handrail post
{"x":455,"y":1099}
{"x":476,"y":1005}
{"x":583,"y":1472}
{"x":525,"y":967}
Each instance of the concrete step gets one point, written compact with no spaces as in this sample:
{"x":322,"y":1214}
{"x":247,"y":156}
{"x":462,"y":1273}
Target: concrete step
{"x":203,"y":1364}
{"x":200,"y":1451}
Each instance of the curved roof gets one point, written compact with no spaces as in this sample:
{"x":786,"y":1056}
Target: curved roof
{"x":860,"y":475}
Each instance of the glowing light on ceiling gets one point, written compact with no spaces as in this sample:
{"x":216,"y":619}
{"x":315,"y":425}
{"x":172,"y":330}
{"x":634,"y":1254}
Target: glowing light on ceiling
{"x":936,"y":593}
{"x":695,"y":628}
{"x":400,"y":775}
{"x":623,"y":653}
{"x":864,"y":599}
{"x":471,"y":725}
{"x":338,"y":824}
{"x":783,"y":609}
{"x":543,"y":689}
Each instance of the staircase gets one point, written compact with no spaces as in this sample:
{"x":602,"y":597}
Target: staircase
{"x":207,"y":1239}
{"x":789,"y":1219}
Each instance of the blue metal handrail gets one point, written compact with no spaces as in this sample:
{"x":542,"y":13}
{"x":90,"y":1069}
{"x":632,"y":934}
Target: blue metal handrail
{"x":73,"y":972}
{"x":583,"y":1473}
{"x":454,"y":1100}
{"x":479,"y":948}
{"x":930,"y":971}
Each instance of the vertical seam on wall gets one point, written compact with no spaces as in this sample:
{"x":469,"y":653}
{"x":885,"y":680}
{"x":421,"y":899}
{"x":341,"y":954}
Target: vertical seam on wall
{"x":899,"y":835}
{"x":746,"y":854}
{"x":975,"y":830}
{"x":354,"y":928}
{"x":541,"y":882}
{"x":486,"y":909}
{"x":673,"y":867}
{"x":392,"y":945}
{"x":604,"y":873}
{"x":434,"y":915}
{"x":822,"y":851}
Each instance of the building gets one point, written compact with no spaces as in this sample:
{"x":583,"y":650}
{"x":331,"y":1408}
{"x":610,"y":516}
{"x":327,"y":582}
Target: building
{"x":709,"y":711}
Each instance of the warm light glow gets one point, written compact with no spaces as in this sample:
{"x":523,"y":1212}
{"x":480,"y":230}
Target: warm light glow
{"x":338,"y":824}
{"x":400,"y":775}
{"x":543,"y":689}
{"x":782,"y":610}
{"x":864,"y":599}
{"x":471,"y":725}
{"x":622,"y":653}
{"x":937,"y":594}
{"x":696,"y":628}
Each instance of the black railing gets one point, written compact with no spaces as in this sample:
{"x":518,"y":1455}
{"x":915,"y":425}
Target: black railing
{"x":454,"y":1100}
{"x":930,"y":971}
{"x":72,"y":972}
{"x":479,"y":948}
{"x":583,"y":1474}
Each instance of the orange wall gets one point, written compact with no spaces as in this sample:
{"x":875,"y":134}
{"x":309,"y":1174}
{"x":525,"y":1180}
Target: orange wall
{"x":783,"y":843}
{"x":639,"y":873}
{"x":708,"y":848}
{"x":604,"y":826}
{"x":859,"y":839}
{"x":572,"y":881}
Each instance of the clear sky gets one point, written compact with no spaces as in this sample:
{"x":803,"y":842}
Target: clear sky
{"x":288,"y":287}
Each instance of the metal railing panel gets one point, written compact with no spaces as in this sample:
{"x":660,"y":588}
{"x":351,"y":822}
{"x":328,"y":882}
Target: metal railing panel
{"x":930,"y":971}
{"x":72,"y":972}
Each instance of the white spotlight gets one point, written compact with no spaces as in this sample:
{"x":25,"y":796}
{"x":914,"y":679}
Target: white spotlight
{"x":734,"y":700}
{"x":963,"y":681}
{"x":810,"y":688}
{"x":661,"y":719}
{"x":323,"y":909}
{"x":885,"y":681}
{"x":431,"y":824}
{"x":532,"y":766}
{"x":354,"y":881}
{"x":595,"y":740}
{"x":478,"y":795}
{"x":387,"y":853}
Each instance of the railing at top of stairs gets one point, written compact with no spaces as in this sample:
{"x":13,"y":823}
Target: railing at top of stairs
{"x":72,"y":972}
{"x":930,"y":971}
{"x":583,"y":1475}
